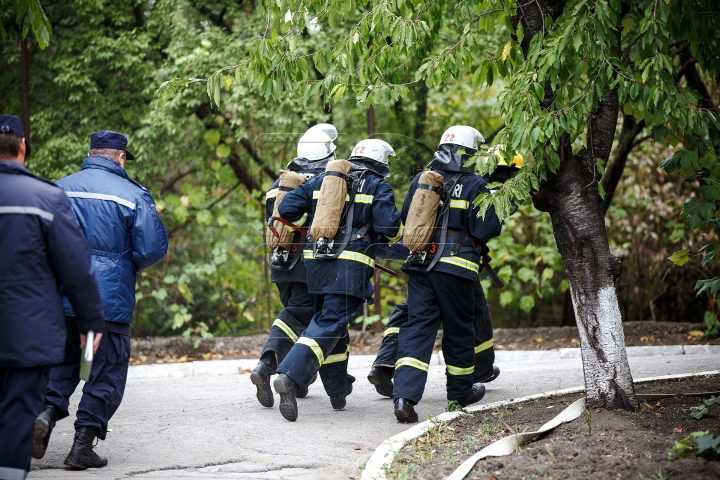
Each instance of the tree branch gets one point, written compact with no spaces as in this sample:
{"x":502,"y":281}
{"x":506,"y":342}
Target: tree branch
{"x":614,"y":169}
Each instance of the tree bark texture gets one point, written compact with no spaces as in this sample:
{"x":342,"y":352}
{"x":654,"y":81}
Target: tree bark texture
{"x":571,"y":197}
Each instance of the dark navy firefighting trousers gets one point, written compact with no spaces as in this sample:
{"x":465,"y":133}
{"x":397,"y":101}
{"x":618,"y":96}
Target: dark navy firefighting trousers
{"x":484,"y":352}
{"x":104,"y":390}
{"x":290,"y":322}
{"x":435,"y":298}
{"x":323,"y":345}
{"x":22,"y":391}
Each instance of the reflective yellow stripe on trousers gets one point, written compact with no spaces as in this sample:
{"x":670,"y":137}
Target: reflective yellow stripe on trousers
{"x":391,"y":331}
{"x":338,"y":357}
{"x":453,"y":370}
{"x":411,"y":362}
{"x":286,"y":329}
{"x":484,"y":346}
{"x":312,"y":344}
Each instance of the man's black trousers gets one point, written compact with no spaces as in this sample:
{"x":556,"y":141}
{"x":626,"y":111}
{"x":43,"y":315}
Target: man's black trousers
{"x":103,"y":392}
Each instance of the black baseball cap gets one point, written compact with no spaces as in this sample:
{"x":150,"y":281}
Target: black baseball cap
{"x":111,"y":140}
{"x":12,"y":124}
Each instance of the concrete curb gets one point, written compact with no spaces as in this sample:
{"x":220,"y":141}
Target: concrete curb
{"x":385,"y":453}
{"x":235,"y":367}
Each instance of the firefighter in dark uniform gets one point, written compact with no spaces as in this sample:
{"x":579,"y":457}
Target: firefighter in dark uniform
{"x":315,"y":149}
{"x":338,"y":277}
{"x":44,"y":252}
{"x":119,"y":220}
{"x":383,"y":368}
{"x":440,"y":283}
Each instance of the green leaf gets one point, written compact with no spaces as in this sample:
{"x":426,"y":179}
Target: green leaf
{"x":695,"y":213}
{"x":547,"y":274}
{"x":212,"y":137}
{"x":659,"y":132}
{"x":525,"y":274}
{"x":601,"y":190}
{"x":680,"y":258}
{"x":711,"y":192}
{"x":223,"y":150}
{"x":527,"y":303}
{"x":204,"y":217}
{"x":506,"y":297}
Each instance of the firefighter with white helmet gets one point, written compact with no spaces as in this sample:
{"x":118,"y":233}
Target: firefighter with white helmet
{"x":443,"y":274}
{"x":339,"y":264}
{"x":314,"y":150}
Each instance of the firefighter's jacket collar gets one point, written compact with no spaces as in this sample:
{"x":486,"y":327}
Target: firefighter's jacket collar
{"x":364,"y":163}
{"x":447,"y":158}
{"x":300,"y":163}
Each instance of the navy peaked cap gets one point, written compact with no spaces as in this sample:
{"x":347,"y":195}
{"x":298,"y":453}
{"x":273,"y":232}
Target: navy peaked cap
{"x":11,"y":124}
{"x":112,"y":140}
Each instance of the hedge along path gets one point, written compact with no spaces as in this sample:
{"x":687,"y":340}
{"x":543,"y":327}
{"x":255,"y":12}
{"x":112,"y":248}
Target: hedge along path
{"x":385,"y":453}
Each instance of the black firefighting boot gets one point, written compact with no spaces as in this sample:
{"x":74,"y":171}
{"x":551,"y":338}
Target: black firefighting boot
{"x":303,"y":391}
{"x":260,"y":377}
{"x":404,"y":411}
{"x":44,"y":424}
{"x":478,"y":392}
{"x":287,"y":389}
{"x":381,"y":377}
{"x":338,"y":401}
{"x":81,"y":454}
{"x":490,"y":377}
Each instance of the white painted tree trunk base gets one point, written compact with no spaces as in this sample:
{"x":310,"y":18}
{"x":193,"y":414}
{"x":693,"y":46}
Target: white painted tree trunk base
{"x":608,"y":381}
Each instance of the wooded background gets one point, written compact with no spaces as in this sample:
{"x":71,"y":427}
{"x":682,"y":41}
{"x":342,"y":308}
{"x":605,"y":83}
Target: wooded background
{"x":208,"y":167}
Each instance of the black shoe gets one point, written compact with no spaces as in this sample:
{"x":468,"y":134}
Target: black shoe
{"x":404,"y":411}
{"x":81,"y":454}
{"x":260,"y":377}
{"x":478,"y":392}
{"x":303,"y":391}
{"x":44,"y":424}
{"x":489,"y":378}
{"x":287,"y":389}
{"x":381,"y":377}
{"x":338,"y":401}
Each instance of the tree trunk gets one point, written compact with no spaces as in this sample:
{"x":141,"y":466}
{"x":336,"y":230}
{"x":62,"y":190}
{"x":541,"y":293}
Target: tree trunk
{"x":571,"y":198}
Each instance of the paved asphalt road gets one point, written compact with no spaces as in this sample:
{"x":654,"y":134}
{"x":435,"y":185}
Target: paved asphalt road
{"x":213,"y":427}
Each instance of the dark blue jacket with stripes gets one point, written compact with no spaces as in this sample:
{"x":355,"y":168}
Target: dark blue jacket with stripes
{"x":350,"y":272}
{"x":44,"y":254}
{"x":462,"y":217}
{"x":297,"y":273}
{"x":119,"y":220}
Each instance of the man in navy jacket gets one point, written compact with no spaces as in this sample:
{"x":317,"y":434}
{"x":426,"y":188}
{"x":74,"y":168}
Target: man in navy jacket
{"x":43,"y":253}
{"x":119,"y":220}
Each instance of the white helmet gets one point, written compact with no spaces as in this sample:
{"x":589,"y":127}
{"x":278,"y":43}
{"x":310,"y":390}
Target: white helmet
{"x":316,"y":144}
{"x":373,"y":149}
{"x":462,"y":135}
{"x":325,"y":128}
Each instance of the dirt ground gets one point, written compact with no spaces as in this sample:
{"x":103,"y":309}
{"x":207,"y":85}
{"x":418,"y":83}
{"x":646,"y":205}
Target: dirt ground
{"x":614,"y":445}
{"x":179,"y":349}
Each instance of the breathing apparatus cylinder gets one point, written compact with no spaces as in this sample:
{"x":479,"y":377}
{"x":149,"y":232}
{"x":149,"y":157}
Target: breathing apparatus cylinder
{"x":288,"y":181}
{"x":420,"y":222}
{"x":331,"y":201}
